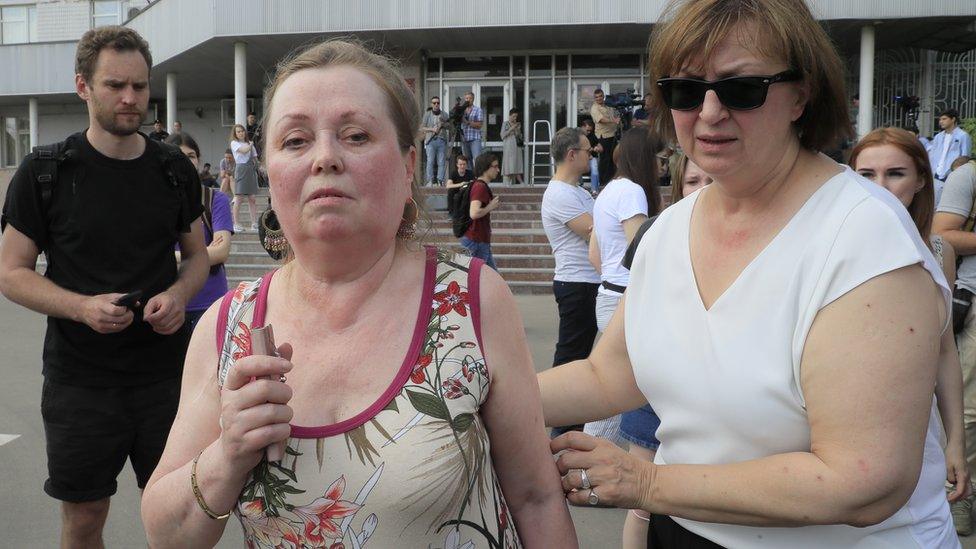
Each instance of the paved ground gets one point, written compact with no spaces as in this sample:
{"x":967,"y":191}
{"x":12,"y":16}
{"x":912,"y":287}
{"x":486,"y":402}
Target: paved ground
{"x":30,"y":519}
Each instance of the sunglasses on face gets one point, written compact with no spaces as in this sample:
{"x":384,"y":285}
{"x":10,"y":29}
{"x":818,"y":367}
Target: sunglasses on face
{"x":741,"y":93}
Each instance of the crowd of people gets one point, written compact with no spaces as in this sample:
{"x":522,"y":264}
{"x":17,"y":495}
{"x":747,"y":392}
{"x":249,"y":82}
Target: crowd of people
{"x":787,"y":351}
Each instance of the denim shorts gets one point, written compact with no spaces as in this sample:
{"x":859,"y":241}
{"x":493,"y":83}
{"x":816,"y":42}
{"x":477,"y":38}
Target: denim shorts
{"x":639,"y":427}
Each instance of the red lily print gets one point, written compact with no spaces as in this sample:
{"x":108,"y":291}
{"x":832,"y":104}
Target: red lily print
{"x":452,"y":298}
{"x":419,"y":374}
{"x":264,"y":531}
{"x":453,"y":389}
{"x":319,"y":516}
{"x":468,"y":372}
{"x":243,"y":341}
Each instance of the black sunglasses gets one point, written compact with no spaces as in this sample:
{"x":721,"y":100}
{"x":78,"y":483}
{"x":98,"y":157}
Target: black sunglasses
{"x":741,"y":93}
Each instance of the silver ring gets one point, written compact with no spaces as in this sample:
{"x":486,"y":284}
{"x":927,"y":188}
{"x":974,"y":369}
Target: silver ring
{"x":593,"y":499}
{"x":586,"y":480}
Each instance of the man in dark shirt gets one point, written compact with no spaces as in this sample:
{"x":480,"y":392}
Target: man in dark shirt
{"x":107,"y":222}
{"x":158,"y":133}
{"x":642,"y":117}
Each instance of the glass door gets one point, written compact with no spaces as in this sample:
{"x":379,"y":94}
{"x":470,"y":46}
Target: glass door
{"x":494,"y":100}
{"x":583,"y":90}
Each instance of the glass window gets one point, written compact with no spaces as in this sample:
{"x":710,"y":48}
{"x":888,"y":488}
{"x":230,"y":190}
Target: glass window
{"x":13,"y":25}
{"x":610,"y":63}
{"x":539,"y":104}
{"x":105,"y":12}
{"x":540,"y":65}
{"x":9,"y":139}
{"x":561,"y":62}
{"x":518,"y":66}
{"x":561,"y":101}
{"x":475,"y":67}
{"x":32,"y":24}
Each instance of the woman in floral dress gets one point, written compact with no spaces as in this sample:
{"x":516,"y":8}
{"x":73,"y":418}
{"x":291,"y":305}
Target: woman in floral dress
{"x":410,"y":414}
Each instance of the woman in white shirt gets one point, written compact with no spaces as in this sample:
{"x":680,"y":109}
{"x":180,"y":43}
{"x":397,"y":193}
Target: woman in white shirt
{"x":784,"y":321}
{"x":245,"y":176}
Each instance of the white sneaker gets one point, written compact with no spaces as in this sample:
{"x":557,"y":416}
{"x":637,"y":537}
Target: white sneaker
{"x":238,"y":229}
{"x":254,"y":227}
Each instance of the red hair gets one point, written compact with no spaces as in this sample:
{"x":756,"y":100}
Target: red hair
{"x":922,"y":208}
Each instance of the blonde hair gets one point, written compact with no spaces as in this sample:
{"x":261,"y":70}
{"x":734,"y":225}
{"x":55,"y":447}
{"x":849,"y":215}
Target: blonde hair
{"x":384,"y":71}
{"x":233,"y":133}
{"x":679,"y":163}
{"x":785,"y":30}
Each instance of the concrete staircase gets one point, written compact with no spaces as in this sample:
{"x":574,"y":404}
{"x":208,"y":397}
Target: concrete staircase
{"x":519,"y":244}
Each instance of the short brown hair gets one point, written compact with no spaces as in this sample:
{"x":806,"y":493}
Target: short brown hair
{"x":113,"y":36}
{"x":785,"y":30}
{"x":922,"y":208}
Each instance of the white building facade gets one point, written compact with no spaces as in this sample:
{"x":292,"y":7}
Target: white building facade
{"x":212,"y":58}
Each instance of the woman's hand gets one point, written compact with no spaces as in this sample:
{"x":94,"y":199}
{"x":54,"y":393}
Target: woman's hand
{"x":616,"y":478}
{"x":957,"y":471}
{"x":254,"y":414}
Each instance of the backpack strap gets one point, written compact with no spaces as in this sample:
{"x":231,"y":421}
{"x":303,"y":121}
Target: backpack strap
{"x":207,"y":198}
{"x":45,"y":161}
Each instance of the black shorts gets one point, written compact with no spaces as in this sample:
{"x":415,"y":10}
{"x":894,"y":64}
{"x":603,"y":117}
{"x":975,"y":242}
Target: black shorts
{"x":90,"y":431}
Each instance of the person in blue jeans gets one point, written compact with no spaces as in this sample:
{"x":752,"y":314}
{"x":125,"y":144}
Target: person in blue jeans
{"x":435,"y":127}
{"x":471,"y":124}
{"x":477,"y":239}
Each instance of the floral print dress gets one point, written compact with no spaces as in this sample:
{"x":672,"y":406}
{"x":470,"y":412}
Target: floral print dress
{"x":412,"y":470}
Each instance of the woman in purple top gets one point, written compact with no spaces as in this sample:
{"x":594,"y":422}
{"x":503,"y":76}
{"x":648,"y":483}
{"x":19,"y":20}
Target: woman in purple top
{"x":217,"y":230}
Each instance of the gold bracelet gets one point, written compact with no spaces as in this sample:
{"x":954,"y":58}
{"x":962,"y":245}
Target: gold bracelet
{"x":199,"y":496}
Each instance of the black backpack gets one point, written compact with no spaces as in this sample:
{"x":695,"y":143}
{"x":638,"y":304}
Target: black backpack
{"x":46,"y":160}
{"x":459,"y":207}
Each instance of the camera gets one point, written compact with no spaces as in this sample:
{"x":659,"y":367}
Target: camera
{"x":456,"y":115}
{"x":624,"y":103}
{"x":908,"y":102}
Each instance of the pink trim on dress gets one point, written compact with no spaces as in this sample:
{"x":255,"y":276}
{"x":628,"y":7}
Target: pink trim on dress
{"x":413,"y":354}
{"x":474,"y":299}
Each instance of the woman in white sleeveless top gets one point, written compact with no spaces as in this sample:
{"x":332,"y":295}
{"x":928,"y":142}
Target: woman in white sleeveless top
{"x":784,"y":322}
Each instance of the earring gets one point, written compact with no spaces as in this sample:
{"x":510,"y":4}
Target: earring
{"x":271,"y":235}
{"x":408,"y":229}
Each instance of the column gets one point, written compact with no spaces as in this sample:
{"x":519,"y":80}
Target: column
{"x":866,"y":88}
{"x":32,"y":120}
{"x":240,"y":83}
{"x":170,"y":101}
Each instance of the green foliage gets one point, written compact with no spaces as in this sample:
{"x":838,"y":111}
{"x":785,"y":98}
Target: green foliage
{"x":969,"y":125}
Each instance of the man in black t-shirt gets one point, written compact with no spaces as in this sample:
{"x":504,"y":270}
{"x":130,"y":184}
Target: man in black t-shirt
{"x":116,"y":204}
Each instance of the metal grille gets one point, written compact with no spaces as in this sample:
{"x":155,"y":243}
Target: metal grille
{"x":899,"y":72}
{"x":955,"y":83}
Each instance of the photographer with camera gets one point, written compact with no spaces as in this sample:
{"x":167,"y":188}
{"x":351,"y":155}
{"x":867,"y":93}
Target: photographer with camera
{"x":607,"y":122}
{"x":471,"y":123}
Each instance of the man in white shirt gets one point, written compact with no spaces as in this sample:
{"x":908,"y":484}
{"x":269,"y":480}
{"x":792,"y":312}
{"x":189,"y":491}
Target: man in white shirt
{"x":947,"y":145}
{"x":567,"y":217}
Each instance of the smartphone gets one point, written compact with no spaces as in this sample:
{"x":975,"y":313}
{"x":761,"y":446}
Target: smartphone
{"x":262,"y":343}
{"x":130,"y":300}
